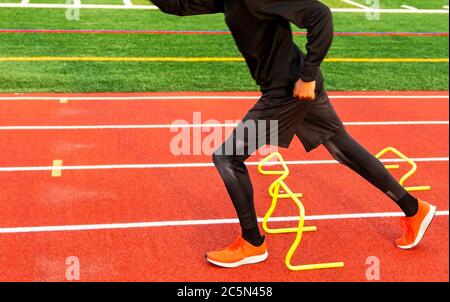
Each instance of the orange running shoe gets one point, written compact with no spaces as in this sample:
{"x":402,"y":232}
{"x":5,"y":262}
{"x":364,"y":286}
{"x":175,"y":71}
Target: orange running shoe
{"x":416,"y":226}
{"x":239,"y":253}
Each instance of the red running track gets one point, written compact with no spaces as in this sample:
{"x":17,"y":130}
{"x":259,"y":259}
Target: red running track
{"x":154,"y":195}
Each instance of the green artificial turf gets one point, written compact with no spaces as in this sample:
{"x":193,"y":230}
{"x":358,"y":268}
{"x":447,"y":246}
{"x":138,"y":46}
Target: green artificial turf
{"x":37,"y":18}
{"x":139,"y":76}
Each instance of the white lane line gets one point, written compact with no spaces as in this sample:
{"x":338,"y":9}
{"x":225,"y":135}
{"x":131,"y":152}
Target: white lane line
{"x":396,"y":123}
{"x":206,"y":97}
{"x":355,"y":4}
{"x":170,"y":126}
{"x":408,"y":7}
{"x":152,"y":7}
{"x":178,"y":223}
{"x":200,"y":165}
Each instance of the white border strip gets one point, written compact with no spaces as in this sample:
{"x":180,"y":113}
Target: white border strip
{"x":152,"y":7}
{"x":84,"y":6}
{"x":204,"y":97}
{"x":200,"y":165}
{"x":177,"y":223}
{"x":175,"y":126}
{"x":408,"y":7}
{"x":355,"y":4}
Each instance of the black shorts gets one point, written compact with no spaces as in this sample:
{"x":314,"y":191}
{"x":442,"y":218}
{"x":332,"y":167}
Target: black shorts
{"x":312,"y":122}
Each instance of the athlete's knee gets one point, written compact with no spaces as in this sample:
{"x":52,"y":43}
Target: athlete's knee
{"x":221,"y":161}
{"x":217,"y":159}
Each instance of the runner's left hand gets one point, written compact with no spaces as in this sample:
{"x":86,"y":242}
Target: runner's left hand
{"x":305,"y":91}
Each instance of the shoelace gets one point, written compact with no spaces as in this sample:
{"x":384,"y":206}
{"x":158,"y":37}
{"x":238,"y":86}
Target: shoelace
{"x":237,"y":245}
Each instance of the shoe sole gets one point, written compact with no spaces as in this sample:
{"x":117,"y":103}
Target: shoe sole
{"x":423,"y":228}
{"x":248,"y":260}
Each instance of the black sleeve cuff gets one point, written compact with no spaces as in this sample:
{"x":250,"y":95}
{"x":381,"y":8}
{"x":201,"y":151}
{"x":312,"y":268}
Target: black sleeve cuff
{"x":309,"y":73}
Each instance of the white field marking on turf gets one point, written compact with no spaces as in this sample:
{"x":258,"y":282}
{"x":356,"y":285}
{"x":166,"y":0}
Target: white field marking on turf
{"x":178,"y":223}
{"x":152,"y":7}
{"x":169,"y":126}
{"x":408,"y":7}
{"x":201,"y":165}
{"x":83,"y":6}
{"x":205,"y":97}
{"x":355,"y":4}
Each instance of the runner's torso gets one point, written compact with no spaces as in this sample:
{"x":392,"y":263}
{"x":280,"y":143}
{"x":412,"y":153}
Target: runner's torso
{"x":266,"y":43}
{"x":262,"y":31}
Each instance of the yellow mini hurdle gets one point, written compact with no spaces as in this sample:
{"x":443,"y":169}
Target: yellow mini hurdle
{"x":276,"y":194}
{"x":408,"y":174}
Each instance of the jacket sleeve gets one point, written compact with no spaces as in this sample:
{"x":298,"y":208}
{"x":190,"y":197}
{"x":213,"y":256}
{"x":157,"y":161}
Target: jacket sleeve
{"x":316,"y":18}
{"x":189,"y":7}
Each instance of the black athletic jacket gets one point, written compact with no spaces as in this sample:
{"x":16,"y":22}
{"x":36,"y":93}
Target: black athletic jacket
{"x":263,"y":34}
